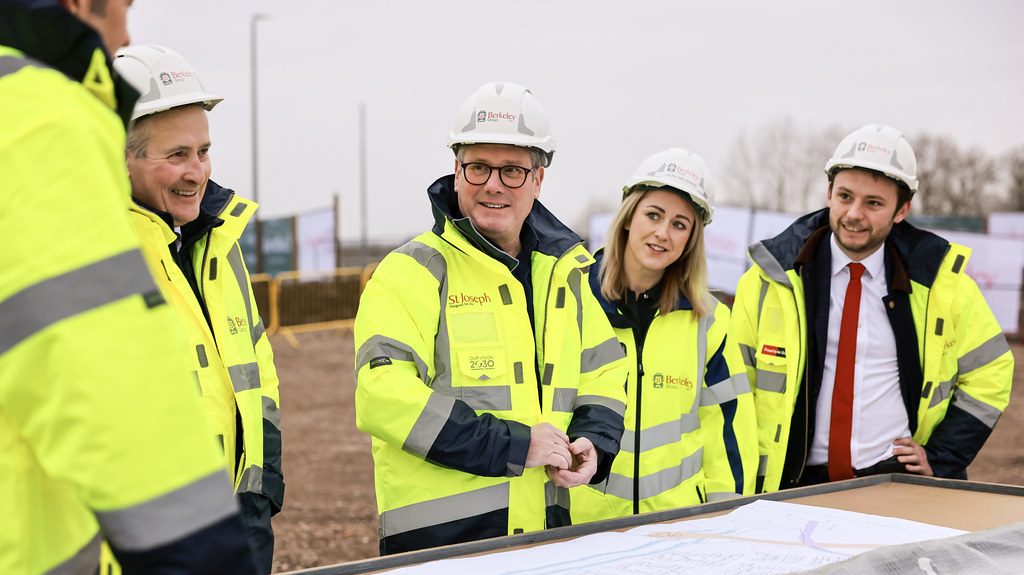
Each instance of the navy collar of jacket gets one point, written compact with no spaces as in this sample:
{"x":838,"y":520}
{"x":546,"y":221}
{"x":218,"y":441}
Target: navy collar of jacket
{"x":610,"y":308}
{"x":919,"y":252}
{"x":553,"y":237}
{"x":46,"y":31}
{"x":215,"y":199}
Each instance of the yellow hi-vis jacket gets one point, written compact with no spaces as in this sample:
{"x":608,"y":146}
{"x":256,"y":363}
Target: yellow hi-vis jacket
{"x":451,"y":376}
{"x":690,"y":432}
{"x":234,"y":363}
{"x":100,"y":428}
{"x":955,"y":365}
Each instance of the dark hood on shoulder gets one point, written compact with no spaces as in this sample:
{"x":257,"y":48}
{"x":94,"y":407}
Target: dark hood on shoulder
{"x":45,"y":31}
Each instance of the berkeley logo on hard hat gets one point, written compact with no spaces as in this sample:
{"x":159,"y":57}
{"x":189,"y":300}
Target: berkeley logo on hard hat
{"x":485,"y":116}
{"x":165,"y":78}
{"x":685,"y":174}
{"x":873,"y":148}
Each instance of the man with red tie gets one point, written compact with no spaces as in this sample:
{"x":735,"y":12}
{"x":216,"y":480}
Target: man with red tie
{"x":868,"y":347}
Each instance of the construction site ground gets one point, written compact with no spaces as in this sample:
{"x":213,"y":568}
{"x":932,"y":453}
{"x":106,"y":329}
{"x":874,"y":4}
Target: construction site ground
{"x":330,"y":515}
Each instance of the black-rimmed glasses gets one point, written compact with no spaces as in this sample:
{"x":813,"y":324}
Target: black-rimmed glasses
{"x":478,"y":173}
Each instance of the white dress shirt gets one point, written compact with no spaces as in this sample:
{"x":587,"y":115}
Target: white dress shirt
{"x":879,"y":415}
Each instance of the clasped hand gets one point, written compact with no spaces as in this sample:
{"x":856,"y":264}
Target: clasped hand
{"x":567,"y":463}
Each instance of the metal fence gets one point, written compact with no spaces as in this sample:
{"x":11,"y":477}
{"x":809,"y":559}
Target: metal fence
{"x":296,"y":302}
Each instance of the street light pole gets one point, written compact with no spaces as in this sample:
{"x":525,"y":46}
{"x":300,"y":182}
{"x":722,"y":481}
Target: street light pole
{"x":253,"y":69}
{"x":364,"y":240}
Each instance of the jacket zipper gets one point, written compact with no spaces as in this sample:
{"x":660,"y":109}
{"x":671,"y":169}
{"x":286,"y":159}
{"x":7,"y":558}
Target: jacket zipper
{"x":636,"y":434}
{"x":541,"y":366}
{"x":202,"y":288}
{"x":807,"y":401}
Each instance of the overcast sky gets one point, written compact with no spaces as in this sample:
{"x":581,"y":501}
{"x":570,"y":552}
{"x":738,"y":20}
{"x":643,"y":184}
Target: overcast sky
{"x":619,"y":80}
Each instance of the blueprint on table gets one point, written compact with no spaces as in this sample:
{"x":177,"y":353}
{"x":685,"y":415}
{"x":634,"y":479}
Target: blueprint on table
{"x":763,"y":537}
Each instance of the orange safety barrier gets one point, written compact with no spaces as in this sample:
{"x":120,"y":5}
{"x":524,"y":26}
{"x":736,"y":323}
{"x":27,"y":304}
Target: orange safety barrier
{"x":311,"y":301}
{"x":264,"y":289}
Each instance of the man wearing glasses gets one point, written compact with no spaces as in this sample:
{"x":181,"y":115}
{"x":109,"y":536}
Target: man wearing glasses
{"x":487,"y":374}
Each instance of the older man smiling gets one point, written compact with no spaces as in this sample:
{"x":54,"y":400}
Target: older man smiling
{"x":189,"y":227}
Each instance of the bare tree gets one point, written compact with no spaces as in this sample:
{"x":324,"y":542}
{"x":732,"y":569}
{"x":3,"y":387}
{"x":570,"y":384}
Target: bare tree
{"x":952,"y":181}
{"x":779,"y":166}
{"x":1014,"y":161}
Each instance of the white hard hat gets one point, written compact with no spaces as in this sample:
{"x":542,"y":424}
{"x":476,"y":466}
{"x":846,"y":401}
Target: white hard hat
{"x":503,"y":113}
{"x":876,"y":147}
{"x":163,"y":77}
{"x":679,"y":169}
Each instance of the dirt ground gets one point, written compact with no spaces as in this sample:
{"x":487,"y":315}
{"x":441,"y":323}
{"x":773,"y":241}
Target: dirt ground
{"x":329,"y":513}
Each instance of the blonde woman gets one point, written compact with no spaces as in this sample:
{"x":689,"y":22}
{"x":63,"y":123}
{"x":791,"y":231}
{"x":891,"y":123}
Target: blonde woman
{"x":690,"y":432}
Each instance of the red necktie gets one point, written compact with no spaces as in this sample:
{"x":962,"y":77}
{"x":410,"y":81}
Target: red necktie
{"x":839,"y":464}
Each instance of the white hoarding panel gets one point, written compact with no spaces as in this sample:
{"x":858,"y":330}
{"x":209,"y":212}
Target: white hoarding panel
{"x":1007,"y":225}
{"x":726,"y":238}
{"x":770,"y":224}
{"x":597,"y":230}
{"x":315,"y":236}
{"x":996,"y":264}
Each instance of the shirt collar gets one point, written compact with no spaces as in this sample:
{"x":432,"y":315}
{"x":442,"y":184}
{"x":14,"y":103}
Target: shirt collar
{"x":874,"y":265}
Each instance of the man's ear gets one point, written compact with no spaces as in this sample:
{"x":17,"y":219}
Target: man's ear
{"x":73,"y":6}
{"x":901,"y":214}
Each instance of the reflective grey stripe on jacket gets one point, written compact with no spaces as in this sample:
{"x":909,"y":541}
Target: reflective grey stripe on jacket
{"x":942,"y":391}
{"x":43,"y":304}
{"x":245,"y":376}
{"x":11,"y":64}
{"x":605,"y":353}
{"x":84,"y":561}
{"x":726,"y":390}
{"x":252,"y":480}
{"x":662,"y":434}
{"x":619,"y":407}
{"x":982,"y":411}
{"x":984,"y":354}
{"x":444,"y":509}
{"x":171,"y":516}
{"x":428,"y":425}
{"x":556,"y":496}
{"x":770,"y":381}
{"x":383,"y":346}
{"x":658,"y":482}
{"x":245,"y":288}
{"x":271,"y":413}
{"x":768,"y":264}
{"x":749,"y":355}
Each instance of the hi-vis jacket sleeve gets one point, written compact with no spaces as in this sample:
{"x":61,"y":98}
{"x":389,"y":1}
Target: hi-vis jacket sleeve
{"x":601,"y":402}
{"x":273,"y":474}
{"x":983,"y":381}
{"x":394,"y":330}
{"x":743,"y":323}
{"x":727,"y":421}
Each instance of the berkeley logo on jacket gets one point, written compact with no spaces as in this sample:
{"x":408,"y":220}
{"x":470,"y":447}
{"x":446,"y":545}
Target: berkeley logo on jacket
{"x":690,"y":432}
{"x":451,"y":376}
{"x":233,"y":362}
{"x":955,"y":366}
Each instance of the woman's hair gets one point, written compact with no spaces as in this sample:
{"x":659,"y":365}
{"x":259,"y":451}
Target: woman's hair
{"x":687,"y":276}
